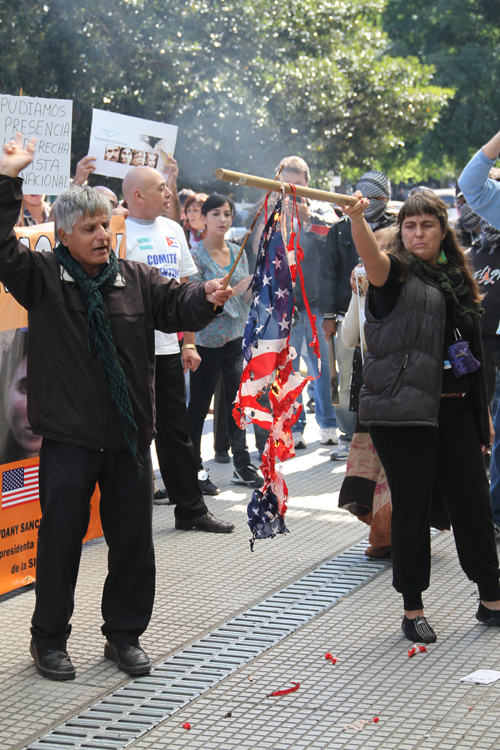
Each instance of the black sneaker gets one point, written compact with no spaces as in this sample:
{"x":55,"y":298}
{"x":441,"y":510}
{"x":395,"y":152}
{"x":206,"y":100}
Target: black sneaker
{"x":488,"y":616}
{"x":418,"y":630}
{"x":247,"y":476}
{"x":222,"y":458}
{"x":205,"y":485}
{"x":161,"y":498}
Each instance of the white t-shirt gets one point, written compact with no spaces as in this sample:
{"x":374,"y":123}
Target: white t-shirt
{"x":161,"y":243}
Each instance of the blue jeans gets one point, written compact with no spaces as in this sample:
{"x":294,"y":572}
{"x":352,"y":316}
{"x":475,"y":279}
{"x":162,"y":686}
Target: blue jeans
{"x":346,"y":419}
{"x":325,"y":413}
{"x":495,"y":471}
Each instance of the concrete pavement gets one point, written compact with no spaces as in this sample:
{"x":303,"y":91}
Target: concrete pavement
{"x":206,"y":580}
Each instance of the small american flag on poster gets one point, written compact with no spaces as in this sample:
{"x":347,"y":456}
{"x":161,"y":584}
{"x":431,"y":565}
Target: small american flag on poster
{"x":19,"y":486}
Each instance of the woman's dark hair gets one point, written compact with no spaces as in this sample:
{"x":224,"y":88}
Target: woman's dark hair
{"x":195,"y":198}
{"x":216,"y":200}
{"x":425,"y":201}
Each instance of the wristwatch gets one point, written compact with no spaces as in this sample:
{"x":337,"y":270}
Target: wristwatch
{"x":189,"y":346}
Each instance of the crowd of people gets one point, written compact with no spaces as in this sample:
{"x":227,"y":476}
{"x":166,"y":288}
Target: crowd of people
{"x":412,"y":409}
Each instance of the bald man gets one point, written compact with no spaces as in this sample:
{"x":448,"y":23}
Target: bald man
{"x":156,"y":241}
{"x":118,"y":210}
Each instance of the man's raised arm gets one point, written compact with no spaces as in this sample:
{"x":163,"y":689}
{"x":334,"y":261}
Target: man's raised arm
{"x":19,"y":266}
{"x":15,"y":158}
{"x":482,"y":193}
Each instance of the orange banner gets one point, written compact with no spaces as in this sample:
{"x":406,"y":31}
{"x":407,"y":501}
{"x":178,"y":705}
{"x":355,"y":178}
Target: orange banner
{"x":19,"y":520}
{"x":41,"y":239}
{"x":19,"y":501}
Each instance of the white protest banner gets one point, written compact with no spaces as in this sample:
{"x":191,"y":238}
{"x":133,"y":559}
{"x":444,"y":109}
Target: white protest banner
{"x":120,"y":142}
{"x":49,"y":121}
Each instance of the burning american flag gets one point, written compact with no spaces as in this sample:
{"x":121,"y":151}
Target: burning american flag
{"x":269,"y":369}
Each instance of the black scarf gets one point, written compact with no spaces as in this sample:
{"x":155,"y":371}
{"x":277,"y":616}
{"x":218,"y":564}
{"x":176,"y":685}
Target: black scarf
{"x":451,"y":281}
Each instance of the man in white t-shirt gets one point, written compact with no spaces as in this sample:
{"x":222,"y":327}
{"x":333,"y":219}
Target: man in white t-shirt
{"x":156,"y":241}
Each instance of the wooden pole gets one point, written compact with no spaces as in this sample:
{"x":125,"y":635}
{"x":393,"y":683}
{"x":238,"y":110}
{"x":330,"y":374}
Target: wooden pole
{"x":249,"y":232}
{"x":274,"y":186}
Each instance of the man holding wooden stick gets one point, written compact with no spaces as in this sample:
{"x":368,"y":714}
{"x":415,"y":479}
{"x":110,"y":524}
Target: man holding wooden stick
{"x":91,"y":397}
{"x":316,"y":218}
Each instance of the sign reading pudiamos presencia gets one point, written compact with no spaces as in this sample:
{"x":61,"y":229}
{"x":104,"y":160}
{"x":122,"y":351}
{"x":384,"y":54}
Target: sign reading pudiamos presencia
{"x":49,"y":121}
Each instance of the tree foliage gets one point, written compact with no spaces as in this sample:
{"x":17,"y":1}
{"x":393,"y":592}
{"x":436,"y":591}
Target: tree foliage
{"x":246,"y":81}
{"x":461,"y":40}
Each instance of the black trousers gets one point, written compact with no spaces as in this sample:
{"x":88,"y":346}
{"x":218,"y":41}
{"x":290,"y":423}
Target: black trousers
{"x":68,"y":476}
{"x":491,"y":346}
{"x":176,"y":458}
{"x":221,"y":440}
{"x":414,"y":458}
{"x":227,"y":361}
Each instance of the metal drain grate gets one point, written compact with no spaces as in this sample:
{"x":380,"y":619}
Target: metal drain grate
{"x":135,"y":709}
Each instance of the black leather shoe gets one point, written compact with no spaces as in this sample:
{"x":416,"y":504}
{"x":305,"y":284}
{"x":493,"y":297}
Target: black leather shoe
{"x":160,"y":495}
{"x":208,"y":522}
{"x":130,"y":659}
{"x":52,"y":663}
{"x":488,"y":616}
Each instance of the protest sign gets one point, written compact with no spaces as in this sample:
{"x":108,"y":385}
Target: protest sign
{"x":41,"y":239}
{"x":120,"y":142}
{"x":20,"y":516}
{"x":49,"y":121}
{"x":19,"y":448}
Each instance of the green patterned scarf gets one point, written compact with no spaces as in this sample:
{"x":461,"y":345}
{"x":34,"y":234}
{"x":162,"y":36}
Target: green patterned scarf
{"x":100,"y":337}
{"x":451,"y":281}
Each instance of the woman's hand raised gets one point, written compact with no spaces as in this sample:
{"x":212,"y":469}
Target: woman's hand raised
{"x":356,"y":213}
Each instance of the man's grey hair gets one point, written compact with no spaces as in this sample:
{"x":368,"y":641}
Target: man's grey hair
{"x":76,"y":203}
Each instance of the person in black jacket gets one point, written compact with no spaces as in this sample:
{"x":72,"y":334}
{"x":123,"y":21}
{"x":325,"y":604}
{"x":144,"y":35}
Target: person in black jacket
{"x":485,"y":257}
{"x":315,"y":218}
{"x":424,"y":400}
{"x":339,"y":258}
{"x":91,"y":368}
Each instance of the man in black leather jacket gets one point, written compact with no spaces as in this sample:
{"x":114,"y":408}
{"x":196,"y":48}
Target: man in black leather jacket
{"x":91,"y":363}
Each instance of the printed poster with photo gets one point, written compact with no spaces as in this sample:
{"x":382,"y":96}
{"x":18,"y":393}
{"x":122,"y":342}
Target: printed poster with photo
{"x":120,"y":142}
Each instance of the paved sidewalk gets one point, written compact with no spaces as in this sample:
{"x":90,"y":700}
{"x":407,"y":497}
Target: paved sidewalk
{"x":206,"y":579}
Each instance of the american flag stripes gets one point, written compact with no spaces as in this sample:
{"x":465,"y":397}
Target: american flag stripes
{"x":269,"y":367}
{"x":19,"y":486}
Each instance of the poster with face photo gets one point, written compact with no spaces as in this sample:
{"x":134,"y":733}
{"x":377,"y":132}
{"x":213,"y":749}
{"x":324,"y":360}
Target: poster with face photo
{"x":120,"y":142}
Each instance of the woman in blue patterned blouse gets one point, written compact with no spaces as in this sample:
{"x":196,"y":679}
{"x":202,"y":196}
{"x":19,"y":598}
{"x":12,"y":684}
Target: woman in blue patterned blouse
{"x":219,"y":344}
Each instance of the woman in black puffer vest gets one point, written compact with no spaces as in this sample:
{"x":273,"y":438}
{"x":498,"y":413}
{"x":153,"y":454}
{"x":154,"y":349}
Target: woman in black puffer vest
{"x":428,"y":422}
